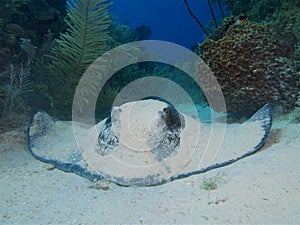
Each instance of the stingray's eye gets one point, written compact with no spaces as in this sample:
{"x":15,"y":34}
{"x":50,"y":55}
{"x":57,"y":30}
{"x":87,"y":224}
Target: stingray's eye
{"x":165,"y":110}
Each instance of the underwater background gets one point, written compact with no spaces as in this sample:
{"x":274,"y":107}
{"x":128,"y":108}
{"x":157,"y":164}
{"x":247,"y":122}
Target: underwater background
{"x":253,"y":48}
{"x":168,"y":20}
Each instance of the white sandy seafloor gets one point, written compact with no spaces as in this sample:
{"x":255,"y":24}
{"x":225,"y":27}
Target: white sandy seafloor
{"x":263,"y":188}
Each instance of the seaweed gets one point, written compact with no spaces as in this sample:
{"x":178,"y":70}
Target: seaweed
{"x":212,"y":183}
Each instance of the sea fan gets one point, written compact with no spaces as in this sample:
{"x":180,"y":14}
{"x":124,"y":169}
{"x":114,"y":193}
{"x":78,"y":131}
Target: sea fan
{"x":85,"y":38}
{"x":84,"y":41}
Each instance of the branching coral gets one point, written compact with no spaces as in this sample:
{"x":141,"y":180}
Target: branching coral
{"x":16,"y":84}
{"x":253,"y":68}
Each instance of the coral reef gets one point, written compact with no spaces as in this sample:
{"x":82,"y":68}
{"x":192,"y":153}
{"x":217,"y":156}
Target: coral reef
{"x":120,"y":33}
{"x":286,"y":23}
{"x":258,"y":10}
{"x":282,"y":16}
{"x":253,"y":68}
{"x":27,"y":19}
{"x":142,"y":32}
{"x":27,"y":31}
{"x":253,"y":9}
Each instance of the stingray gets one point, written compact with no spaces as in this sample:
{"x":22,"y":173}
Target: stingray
{"x":145,"y":143}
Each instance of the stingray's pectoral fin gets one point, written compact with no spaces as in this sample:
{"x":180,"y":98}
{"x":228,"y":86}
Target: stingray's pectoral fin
{"x":53,"y":142}
{"x":239,"y":141}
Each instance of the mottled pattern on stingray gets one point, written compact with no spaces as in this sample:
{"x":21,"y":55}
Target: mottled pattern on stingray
{"x":166,"y":143}
{"x":173,"y":119}
{"x":107,"y":139}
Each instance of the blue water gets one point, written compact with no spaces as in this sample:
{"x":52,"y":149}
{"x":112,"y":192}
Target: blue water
{"x":169,"y":19}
